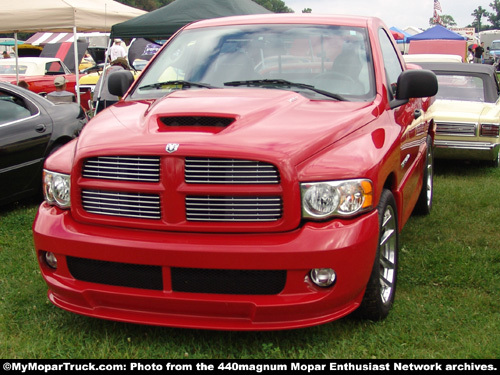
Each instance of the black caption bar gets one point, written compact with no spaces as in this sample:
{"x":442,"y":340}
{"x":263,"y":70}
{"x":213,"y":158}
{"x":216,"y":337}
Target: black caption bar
{"x":250,"y":366}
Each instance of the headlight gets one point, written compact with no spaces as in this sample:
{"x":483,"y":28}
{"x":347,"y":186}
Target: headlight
{"x":56,"y":188}
{"x":321,"y":200}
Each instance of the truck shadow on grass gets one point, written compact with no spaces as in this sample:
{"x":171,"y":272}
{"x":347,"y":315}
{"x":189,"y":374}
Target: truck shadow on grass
{"x":466,"y":168}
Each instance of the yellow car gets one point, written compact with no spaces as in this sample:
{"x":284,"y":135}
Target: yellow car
{"x":89,"y":81}
{"x":466,"y":112}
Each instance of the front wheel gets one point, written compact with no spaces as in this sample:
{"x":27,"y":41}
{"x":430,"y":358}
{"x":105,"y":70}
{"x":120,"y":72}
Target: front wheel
{"x":381,"y":287}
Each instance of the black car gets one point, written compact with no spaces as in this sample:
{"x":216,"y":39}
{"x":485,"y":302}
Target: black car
{"x":31,"y":128}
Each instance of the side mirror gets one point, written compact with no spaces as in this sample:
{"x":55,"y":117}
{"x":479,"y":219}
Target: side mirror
{"x":119,"y":82}
{"x":419,"y":83}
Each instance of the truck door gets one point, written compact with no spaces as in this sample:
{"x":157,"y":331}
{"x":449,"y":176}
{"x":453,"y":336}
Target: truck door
{"x":411,"y":120}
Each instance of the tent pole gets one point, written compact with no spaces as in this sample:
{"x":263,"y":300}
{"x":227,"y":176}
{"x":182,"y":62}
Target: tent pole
{"x":77,"y":70}
{"x":102,"y":80}
{"x":17,"y":58}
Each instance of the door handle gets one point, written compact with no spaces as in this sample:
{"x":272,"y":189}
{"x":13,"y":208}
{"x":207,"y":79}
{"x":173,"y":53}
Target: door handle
{"x":40,"y":128}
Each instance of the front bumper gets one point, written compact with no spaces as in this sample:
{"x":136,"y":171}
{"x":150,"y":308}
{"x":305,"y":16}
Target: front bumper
{"x":474,"y":150}
{"x":347,"y":246}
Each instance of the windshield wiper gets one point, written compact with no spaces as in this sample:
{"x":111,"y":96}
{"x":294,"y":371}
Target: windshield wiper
{"x":184,"y":84}
{"x":283,"y":82}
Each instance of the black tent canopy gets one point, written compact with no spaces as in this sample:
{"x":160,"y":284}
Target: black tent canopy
{"x":165,"y":21}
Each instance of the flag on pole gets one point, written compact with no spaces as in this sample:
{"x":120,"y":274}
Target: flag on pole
{"x":436,"y":19}
{"x":437,"y":8}
{"x":437,"y":5}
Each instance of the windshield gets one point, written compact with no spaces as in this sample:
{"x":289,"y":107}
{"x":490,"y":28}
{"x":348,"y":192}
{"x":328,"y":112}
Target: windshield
{"x":9,"y":67}
{"x":321,"y":62}
{"x":461,"y":87}
{"x":495,"y":45}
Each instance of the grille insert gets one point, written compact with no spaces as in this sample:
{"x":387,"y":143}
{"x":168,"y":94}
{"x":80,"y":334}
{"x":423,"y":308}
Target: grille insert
{"x":125,"y":204}
{"x":117,"y":274}
{"x":257,"y":282}
{"x":238,"y":209}
{"x":229,"y":171}
{"x":125,"y":168}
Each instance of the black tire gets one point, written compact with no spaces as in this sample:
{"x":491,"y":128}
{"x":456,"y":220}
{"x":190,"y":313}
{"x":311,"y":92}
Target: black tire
{"x":496,"y":163}
{"x":381,"y":287}
{"x":424,"y":202}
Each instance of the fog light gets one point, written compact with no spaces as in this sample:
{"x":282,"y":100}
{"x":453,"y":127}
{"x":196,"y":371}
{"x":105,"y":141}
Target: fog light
{"x":323,"y":277}
{"x":51,"y":260}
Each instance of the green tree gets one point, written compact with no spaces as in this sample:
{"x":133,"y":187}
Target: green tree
{"x":307,"y":10}
{"x":494,"y":17}
{"x":446,"y":20}
{"x":478,"y":14}
{"x":276,"y":6}
{"x":147,"y":5}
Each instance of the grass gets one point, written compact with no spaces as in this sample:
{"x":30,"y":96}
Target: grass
{"x":447,"y":302}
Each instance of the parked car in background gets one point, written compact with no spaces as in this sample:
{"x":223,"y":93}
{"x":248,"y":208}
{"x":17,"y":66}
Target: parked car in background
{"x":39,"y":74}
{"x":31,"y":128}
{"x":466,"y":111}
{"x":493,"y":51}
{"x":256,"y":176}
{"x":432,"y":57}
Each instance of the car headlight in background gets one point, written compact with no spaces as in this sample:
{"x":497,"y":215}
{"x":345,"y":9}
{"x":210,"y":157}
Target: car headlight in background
{"x":56,"y":188}
{"x":321,"y":200}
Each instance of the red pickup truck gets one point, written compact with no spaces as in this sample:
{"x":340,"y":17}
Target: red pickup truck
{"x":256,"y":176}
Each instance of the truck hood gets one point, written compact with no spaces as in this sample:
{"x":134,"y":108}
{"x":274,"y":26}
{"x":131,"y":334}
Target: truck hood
{"x":464,"y":111}
{"x":260,"y":124}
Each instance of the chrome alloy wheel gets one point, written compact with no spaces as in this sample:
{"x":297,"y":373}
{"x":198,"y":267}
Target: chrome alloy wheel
{"x":430,"y":176}
{"x":388,"y":252}
{"x":381,"y":287}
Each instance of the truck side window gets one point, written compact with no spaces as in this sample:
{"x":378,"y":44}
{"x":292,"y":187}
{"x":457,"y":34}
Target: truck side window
{"x":392,"y":64}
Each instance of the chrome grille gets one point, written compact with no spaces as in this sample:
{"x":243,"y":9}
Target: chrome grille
{"x":124,"y":168}
{"x":124,"y":204}
{"x":229,"y":171}
{"x":458,"y":129}
{"x":236,"y":209}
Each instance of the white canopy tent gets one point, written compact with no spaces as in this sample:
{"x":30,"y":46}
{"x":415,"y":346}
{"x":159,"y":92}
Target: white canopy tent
{"x":63,"y":15}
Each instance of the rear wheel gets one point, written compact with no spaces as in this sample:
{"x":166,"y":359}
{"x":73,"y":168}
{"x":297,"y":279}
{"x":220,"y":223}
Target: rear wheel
{"x":424,"y":203}
{"x":496,"y":163}
{"x":381,"y":287}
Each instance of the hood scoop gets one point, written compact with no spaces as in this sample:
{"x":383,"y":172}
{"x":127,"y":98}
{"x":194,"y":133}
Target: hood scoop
{"x":210,"y":124}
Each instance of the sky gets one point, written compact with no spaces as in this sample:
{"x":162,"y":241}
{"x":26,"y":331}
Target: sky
{"x":397,"y":13}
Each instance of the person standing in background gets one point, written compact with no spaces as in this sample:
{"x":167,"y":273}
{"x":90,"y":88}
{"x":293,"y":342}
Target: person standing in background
{"x":478,"y":54}
{"x":102,"y":97}
{"x":117,"y":50}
